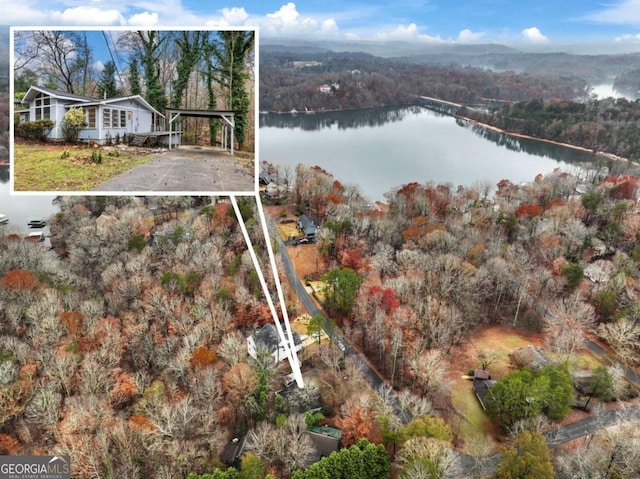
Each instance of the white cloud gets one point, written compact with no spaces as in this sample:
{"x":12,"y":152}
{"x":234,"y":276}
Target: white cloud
{"x":628,"y":38}
{"x":235,"y":16}
{"x":23,"y":13}
{"x":408,"y":33}
{"x":145,"y":19}
{"x":287,"y":21}
{"x":622,"y":12}
{"x":467,"y":36}
{"x":287,"y":15}
{"x":88,"y":16}
{"x":534,"y":35}
{"x":98,"y":65}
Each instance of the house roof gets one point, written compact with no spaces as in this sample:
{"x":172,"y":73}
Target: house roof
{"x":531,"y":356}
{"x":325,"y":439}
{"x":481,"y":389}
{"x":34,"y":90}
{"x":307,"y":225}
{"x":233,"y":451}
{"x":85,"y":100}
{"x":267,"y":337}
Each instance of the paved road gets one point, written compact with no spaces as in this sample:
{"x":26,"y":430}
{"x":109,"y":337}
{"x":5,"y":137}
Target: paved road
{"x":591,"y":424}
{"x":631,"y":374}
{"x":187,"y":169}
{"x":370,"y":374}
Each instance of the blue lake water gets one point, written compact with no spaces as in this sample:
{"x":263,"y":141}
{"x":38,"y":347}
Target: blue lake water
{"x":383,"y":148}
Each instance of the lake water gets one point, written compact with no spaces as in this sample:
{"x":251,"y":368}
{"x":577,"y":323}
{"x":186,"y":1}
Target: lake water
{"x":383,"y":148}
{"x":20,"y":208}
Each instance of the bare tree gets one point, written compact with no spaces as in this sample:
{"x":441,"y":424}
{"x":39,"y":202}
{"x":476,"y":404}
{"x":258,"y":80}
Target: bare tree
{"x":60,"y":56}
{"x":623,"y":335}
{"x":429,"y":369}
{"x":427,"y":457}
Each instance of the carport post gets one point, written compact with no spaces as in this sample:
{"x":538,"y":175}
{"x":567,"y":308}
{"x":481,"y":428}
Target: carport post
{"x":231,"y":124}
{"x":171,"y":119}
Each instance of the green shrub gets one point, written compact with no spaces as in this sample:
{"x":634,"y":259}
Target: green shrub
{"x":34,"y":130}
{"x":96,"y":156}
{"x":72,"y":123}
{"x":136,"y":242}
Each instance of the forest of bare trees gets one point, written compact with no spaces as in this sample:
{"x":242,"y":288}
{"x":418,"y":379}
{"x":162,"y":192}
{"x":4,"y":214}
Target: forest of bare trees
{"x":437,"y":264}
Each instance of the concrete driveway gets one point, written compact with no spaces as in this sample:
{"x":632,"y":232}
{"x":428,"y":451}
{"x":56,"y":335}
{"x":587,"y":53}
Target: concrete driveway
{"x":186,"y":169}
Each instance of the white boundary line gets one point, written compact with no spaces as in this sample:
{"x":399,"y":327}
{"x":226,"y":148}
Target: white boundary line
{"x":289,"y":345}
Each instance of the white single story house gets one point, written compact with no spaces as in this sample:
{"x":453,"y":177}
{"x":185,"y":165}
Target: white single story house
{"x":268,"y":339}
{"x":110,"y":117}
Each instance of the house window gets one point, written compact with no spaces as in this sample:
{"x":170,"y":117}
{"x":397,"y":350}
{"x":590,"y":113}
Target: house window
{"x":90,"y":116}
{"x":43,"y":107}
{"x":115,"y":118}
{"x":123,"y":118}
{"x":106,"y":118}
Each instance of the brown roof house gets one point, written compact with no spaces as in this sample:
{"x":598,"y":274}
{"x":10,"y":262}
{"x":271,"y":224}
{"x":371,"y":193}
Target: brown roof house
{"x":325,"y":440}
{"x":531,"y":357}
{"x":233,"y":452}
{"x":482,"y":382}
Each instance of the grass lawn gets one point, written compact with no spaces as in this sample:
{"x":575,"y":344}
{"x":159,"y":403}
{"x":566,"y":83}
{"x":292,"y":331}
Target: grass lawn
{"x":40,"y":167}
{"x":474,"y":425}
{"x":288,"y":230}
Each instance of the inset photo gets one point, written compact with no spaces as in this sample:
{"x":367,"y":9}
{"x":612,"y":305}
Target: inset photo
{"x":135,"y":111}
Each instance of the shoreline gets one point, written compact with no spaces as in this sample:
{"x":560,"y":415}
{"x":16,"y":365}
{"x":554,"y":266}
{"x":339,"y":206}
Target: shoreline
{"x":544,"y":140}
{"x":487,"y":126}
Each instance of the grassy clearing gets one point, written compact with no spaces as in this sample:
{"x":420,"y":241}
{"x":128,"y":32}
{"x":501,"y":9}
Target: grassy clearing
{"x":587,"y":360}
{"x":474,"y":424}
{"x":42,"y":168}
{"x":288,"y":230}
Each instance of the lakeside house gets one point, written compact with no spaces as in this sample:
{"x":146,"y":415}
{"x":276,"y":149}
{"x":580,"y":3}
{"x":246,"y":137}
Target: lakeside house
{"x":482,"y":382}
{"x":307,"y":226}
{"x":531,"y":357}
{"x":106,"y":119}
{"x":325,"y":440}
{"x":267,"y":339}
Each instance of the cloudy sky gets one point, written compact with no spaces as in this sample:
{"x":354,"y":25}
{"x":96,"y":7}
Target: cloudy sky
{"x":540,"y":22}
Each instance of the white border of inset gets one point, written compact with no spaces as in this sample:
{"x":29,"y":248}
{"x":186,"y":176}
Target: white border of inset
{"x":256,"y":77}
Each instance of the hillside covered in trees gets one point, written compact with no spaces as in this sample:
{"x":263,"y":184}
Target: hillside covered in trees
{"x":292,"y":81}
{"x":608,"y":125}
{"x":423,"y":274}
{"x":128,"y":353}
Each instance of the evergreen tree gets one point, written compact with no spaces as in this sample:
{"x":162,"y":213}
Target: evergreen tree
{"x":134,"y":78}
{"x":150,"y":42}
{"x":361,"y":460}
{"x":341,"y":290}
{"x":191,"y":45}
{"x":231,"y":53}
{"x":107,"y":83}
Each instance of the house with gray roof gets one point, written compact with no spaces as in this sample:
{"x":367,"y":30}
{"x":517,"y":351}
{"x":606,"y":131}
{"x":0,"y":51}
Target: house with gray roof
{"x":531,"y":357}
{"x":267,"y":339}
{"x":325,"y":440}
{"x":307,"y":226}
{"x":105,"y":118}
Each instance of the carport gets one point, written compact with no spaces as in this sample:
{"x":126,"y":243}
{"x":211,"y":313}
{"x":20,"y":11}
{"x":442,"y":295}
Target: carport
{"x":227,"y":117}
